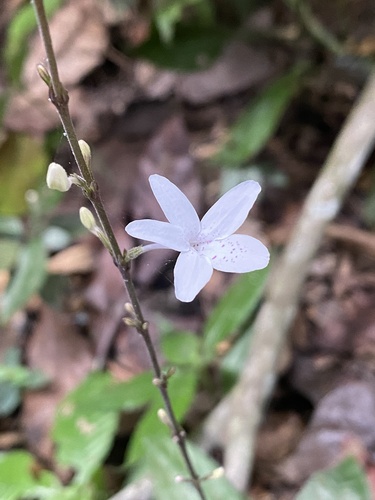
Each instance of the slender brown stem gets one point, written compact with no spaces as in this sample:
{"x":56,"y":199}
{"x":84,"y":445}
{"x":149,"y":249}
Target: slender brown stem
{"x":59,"y":97}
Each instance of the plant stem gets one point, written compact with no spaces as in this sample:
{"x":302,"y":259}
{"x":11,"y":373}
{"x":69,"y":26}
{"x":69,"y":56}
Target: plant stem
{"x":314,"y":27}
{"x":59,"y":97}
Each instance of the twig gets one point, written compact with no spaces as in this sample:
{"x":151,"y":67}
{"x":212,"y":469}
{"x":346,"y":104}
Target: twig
{"x":236,"y":419}
{"x":353,"y":236}
{"x":59,"y":97}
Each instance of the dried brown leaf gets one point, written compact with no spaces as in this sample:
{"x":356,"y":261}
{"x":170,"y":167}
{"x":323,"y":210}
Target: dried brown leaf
{"x":77,"y":259}
{"x":80,"y":40}
{"x":57,"y":349}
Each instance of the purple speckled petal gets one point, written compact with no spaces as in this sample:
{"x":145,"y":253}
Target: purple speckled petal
{"x":237,"y":254}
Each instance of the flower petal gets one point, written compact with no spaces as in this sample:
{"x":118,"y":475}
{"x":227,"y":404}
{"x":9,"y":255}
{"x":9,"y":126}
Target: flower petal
{"x":176,"y":207}
{"x":57,"y":178}
{"x":237,"y":254}
{"x":165,"y":234}
{"x":191,"y":273}
{"x":230,"y":211}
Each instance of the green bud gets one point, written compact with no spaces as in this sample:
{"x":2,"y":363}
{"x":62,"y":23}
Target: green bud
{"x":130,"y":322}
{"x":87,"y":219}
{"x":57,"y":178}
{"x":170,"y":372}
{"x":44,"y":74}
{"x":86,"y":152}
{"x":134,"y":252}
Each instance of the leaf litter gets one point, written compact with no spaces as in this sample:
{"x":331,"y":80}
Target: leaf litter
{"x":323,"y":407}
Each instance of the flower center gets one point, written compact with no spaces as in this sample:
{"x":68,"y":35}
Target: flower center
{"x":199,"y":246}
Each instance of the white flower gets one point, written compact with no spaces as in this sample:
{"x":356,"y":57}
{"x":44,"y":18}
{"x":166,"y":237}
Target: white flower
{"x":204,"y":245}
{"x":57,"y":178}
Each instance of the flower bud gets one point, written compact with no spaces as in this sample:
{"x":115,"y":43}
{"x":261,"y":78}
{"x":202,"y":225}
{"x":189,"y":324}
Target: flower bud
{"x":57,"y":178}
{"x":87,"y":219}
{"x":164,"y":418}
{"x":216,"y":473}
{"x":181,"y":479}
{"x":170,"y":372}
{"x":134,"y":252}
{"x":44,"y":74}
{"x":129,"y":308}
{"x":130,"y":322}
{"x":86,"y":152}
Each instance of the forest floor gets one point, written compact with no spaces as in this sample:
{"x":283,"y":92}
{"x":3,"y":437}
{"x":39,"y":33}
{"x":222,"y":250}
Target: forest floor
{"x":140,"y":119}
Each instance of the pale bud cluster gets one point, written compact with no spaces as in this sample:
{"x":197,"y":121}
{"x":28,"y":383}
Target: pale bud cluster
{"x":57,"y":178}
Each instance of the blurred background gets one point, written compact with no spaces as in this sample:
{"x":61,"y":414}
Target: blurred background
{"x":207,"y":93}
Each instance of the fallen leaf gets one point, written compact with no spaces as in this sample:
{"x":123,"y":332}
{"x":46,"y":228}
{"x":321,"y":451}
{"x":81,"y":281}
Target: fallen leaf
{"x":344,"y":415}
{"x":58,"y":350}
{"x":80,"y":39}
{"x":239,"y":68}
{"x":76,"y":259}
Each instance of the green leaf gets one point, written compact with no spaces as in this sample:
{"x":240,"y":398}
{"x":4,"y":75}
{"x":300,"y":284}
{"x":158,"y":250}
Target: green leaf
{"x":10,"y":398}
{"x":347,"y":481}
{"x":262,"y":173}
{"x":22,"y":377}
{"x":17,"y":479}
{"x":14,"y":377}
{"x":260,"y":120}
{"x":19,"y":29}
{"x":8,"y":251}
{"x":181,"y":348}
{"x":22,"y":165}
{"x":233,"y":362}
{"x":10,"y":394}
{"x":87,"y":419}
{"x":72,"y":492}
{"x":194,"y":47}
{"x":83,"y":439}
{"x":182,"y":388}
{"x":163,"y":462}
{"x":167,"y":14}
{"x":27,"y":279}
{"x":237,"y":306}
{"x":100,"y":392}
{"x":149,"y":426}
{"x":11,"y":226}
